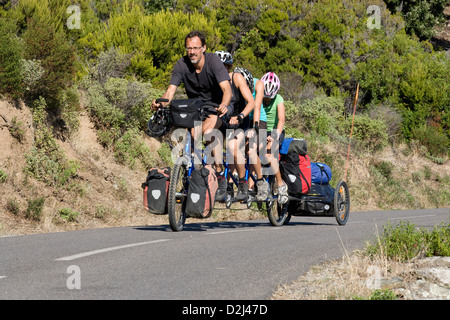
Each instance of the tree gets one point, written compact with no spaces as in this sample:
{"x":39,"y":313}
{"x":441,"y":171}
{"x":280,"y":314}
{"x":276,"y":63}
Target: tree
{"x":10,"y":61}
{"x":56,"y":55}
{"x":421,"y":16}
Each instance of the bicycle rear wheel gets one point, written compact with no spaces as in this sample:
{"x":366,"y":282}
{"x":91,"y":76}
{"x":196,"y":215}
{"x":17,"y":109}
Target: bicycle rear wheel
{"x":341,"y":203}
{"x":177,"y":195}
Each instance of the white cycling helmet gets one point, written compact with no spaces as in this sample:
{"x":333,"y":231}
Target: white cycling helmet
{"x":247,"y":76}
{"x":225,"y":57}
{"x":271,"y":85}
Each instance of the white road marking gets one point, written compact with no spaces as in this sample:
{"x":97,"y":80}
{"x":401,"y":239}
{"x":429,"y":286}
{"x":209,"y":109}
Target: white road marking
{"x":2,"y":277}
{"x":90,"y":253}
{"x":229,"y":231}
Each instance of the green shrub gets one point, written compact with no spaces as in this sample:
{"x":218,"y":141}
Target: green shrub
{"x":439,"y":241}
{"x":379,"y":294}
{"x":370,"y":134}
{"x":131,"y":148}
{"x":68,"y":214}
{"x":32,"y":73}
{"x":405,"y":241}
{"x":10,"y":61}
{"x":320,"y":114}
{"x":70,"y":110}
{"x":43,"y":42}
{"x":16,"y":129}
{"x":421,"y":16}
{"x":46,"y":161}
{"x":34,"y":209}
{"x":385,"y":168}
{"x":3,"y":176}
{"x":437,"y":143}
{"x":13,"y":206}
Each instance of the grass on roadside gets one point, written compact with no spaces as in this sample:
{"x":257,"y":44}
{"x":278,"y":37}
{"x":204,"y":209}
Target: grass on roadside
{"x":369,"y":274}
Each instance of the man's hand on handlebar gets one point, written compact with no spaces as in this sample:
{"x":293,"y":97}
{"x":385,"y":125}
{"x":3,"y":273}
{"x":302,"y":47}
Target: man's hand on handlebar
{"x":158,"y":103}
{"x":222,"y":109}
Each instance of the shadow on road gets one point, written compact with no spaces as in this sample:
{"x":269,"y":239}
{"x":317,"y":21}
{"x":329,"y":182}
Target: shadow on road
{"x":206,"y":226}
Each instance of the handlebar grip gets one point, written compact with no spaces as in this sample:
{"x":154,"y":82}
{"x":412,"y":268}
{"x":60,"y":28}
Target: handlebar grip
{"x":159,"y":100}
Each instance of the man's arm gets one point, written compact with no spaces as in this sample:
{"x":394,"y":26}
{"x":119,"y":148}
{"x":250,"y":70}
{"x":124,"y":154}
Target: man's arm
{"x":227,"y":95}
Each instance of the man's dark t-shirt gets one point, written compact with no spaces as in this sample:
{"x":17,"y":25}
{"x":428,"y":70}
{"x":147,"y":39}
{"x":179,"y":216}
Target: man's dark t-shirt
{"x":203,"y":85}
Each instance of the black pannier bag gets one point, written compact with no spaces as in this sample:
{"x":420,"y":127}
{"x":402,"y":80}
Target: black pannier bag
{"x":318,"y":201}
{"x":185,"y":112}
{"x":202,"y":190}
{"x":156,"y":187}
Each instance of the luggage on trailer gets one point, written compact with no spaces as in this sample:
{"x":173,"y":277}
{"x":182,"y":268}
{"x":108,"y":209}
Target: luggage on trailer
{"x":292,"y":145}
{"x":318,"y":201}
{"x":295,"y":166}
{"x":320,"y":173}
{"x":156,"y":187}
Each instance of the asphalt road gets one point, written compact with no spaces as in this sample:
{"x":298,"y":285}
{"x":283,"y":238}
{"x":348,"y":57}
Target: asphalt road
{"x":220,"y":261}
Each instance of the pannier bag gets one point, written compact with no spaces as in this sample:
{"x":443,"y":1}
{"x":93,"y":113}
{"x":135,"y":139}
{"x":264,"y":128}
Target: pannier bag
{"x":296,"y":172}
{"x":202,"y":189}
{"x":320,"y":173}
{"x":156,"y":188}
{"x":320,"y":199}
{"x":185,"y":112}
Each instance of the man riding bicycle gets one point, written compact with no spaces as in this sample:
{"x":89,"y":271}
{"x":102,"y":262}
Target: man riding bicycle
{"x":204,"y":77}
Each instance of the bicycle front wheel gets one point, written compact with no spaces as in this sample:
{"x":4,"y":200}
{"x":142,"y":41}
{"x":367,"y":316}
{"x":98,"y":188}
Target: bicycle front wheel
{"x":278,"y":214}
{"x":176,"y":202}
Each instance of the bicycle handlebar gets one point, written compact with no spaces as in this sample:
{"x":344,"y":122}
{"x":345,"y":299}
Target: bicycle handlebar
{"x":210,"y":104}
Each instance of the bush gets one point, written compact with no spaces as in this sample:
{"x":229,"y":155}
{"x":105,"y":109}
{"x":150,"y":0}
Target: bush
{"x":13,"y":206}
{"x":3,"y":176}
{"x":111,"y":64}
{"x":68,"y":214}
{"x":421,"y":16}
{"x":385,"y":168}
{"x":437,"y":143}
{"x":320,"y":114}
{"x":57,"y":57}
{"x":46,"y":161}
{"x":405,"y":242}
{"x":10,"y":61}
{"x":131,"y":148}
{"x":16,"y":129}
{"x":34,"y":209}
{"x":32,"y":73}
{"x":370,"y":134}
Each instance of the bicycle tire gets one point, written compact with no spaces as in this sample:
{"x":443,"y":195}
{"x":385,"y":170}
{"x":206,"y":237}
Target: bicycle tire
{"x":341,"y":203}
{"x":176,"y":209}
{"x":276,"y":216}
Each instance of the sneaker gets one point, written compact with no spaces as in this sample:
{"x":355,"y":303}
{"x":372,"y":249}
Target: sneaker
{"x":222,"y":190}
{"x":242,"y":193}
{"x":283,"y":194}
{"x":263,"y":190}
